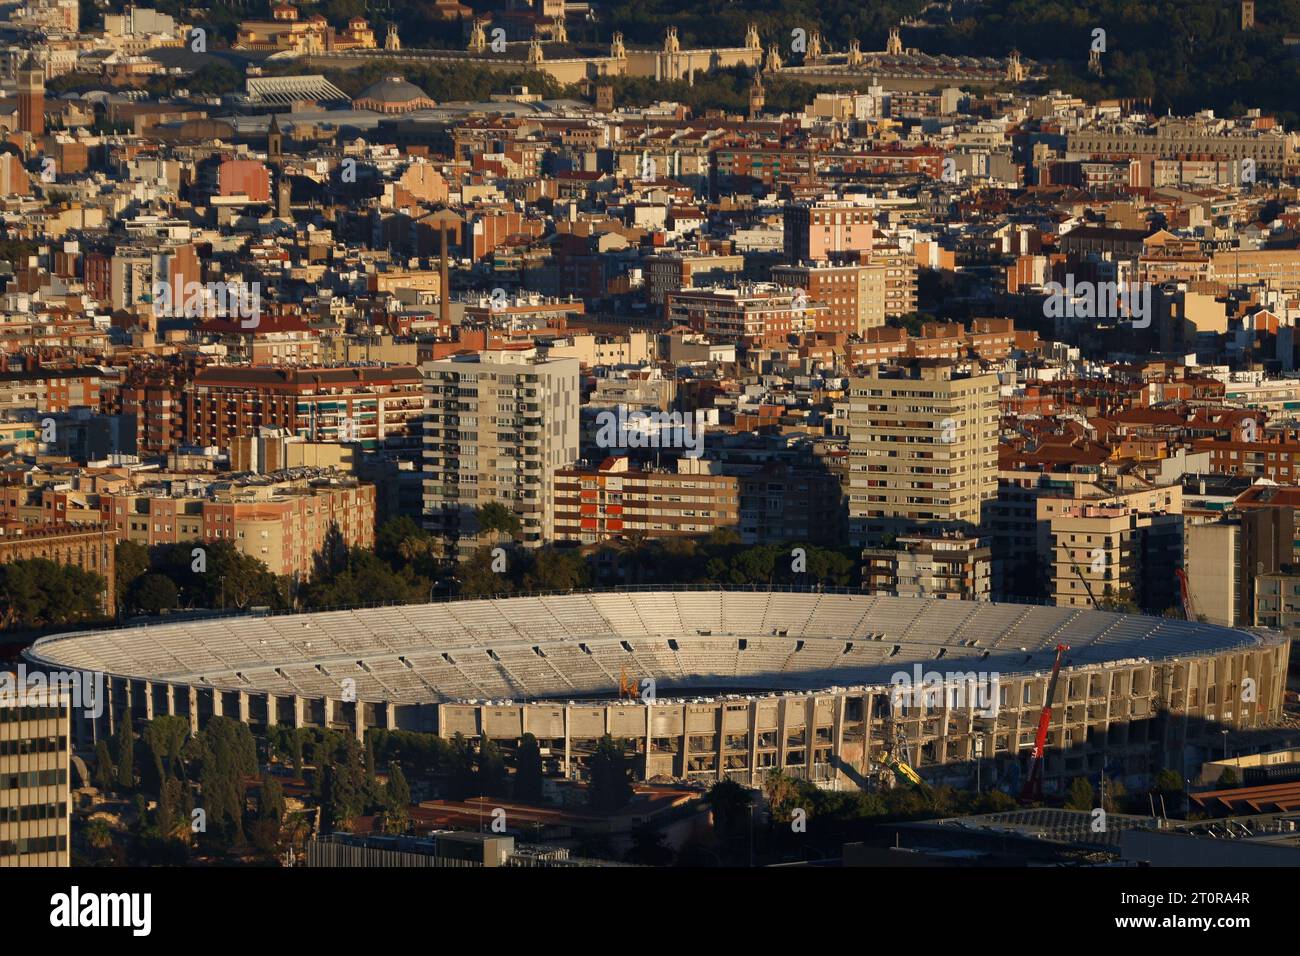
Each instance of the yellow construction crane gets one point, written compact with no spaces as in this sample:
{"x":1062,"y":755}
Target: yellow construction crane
{"x":894,"y":756}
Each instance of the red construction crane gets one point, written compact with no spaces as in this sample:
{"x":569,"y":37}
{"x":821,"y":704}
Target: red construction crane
{"x":1185,"y":594}
{"x":1033,"y":787}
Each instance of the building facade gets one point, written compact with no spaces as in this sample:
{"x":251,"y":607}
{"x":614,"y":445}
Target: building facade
{"x":498,"y":426}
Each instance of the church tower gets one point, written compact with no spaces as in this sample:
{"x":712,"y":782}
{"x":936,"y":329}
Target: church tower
{"x":757,"y":98}
{"x":31,"y":97}
{"x":283,"y":198}
{"x":274,"y":142}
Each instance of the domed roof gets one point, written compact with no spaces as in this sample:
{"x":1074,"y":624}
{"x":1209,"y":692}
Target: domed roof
{"x":393,"y":89}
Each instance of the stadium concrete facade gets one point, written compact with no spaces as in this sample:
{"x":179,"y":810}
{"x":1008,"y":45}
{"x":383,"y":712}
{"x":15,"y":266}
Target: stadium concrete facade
{"x":726,"y":684}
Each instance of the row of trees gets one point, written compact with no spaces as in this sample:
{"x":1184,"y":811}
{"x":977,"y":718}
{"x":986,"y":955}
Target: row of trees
{"x":41,"y":593}
{"x":195,"y":574}
{"x":405,"y":567}
{"x":718,"y":558}
{"x":192,"y":790}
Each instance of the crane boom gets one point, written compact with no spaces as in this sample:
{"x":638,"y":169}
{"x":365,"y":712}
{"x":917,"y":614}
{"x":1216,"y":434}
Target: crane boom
{"x":1185,"y":595}
{"x":1086,"y":586}
{"x":1034,"y":780}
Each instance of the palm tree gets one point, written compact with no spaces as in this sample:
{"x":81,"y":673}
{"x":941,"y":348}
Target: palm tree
{"x":98,"y":835}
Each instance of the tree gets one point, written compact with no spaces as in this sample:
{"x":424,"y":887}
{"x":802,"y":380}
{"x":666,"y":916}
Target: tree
{"x":154,"y":593}
{"x":493,"y":777}
{"x":164,"y":736}
{"x":478,"y":576}
{"x":649,"y":847}
{"x":401,"y":540}
{"x":1080,"y":795}
{"x":528,"y":770}
{"x":1229,"y":779}
{"x":782,"y":792}
{"x":730,"y":803}
{"x":397,"y":791}
{"x":130,"y":561}
{"x":494,"y":517}
{"x":98,"y":835}
{"x":42,"y":593}
{"x":125,"y":755}
{"x":105,"y":774}
{"x":1169,"y":782}
{"x":363,"y":578}
{"x":609,"y":787}
{"x":343,"y":787}
{"x":270,"y":800}
{"x":556,"y":570}
{"x":461,"y":765}
{"x":295,"y":743}
{"x":221,"y":576}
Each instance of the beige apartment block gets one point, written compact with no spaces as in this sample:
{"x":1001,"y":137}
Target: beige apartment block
{"x":1212,"y":564}
{"x":35,"y":806}
{"x":499,"y":424}
{"x":922,"y":449}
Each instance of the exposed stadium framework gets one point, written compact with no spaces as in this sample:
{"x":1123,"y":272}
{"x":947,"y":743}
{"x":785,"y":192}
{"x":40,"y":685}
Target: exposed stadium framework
{"x":733,"y":682}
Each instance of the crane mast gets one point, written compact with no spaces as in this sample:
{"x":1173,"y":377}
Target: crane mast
{"x":1034,"y":781}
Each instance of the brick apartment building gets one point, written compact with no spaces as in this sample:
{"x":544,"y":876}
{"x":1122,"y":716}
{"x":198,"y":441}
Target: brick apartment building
{"x":376,"y":407}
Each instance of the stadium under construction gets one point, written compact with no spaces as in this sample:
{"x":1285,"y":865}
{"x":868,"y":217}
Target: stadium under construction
{"x":716,"y":684}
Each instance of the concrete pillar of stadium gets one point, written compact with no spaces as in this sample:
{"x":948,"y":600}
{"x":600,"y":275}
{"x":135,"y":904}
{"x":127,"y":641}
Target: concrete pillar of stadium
{"x":720,"y":716}
{"x":868,"y":708}
{"x":216,"y":703}
{"x":941,"y":745}
{"x":809,"y":735}
{"x":837,"y":739}
{"x":568,"y":752}
{"x":170,"y":692}
{"x":124,"y":713}
{"x":390,"y":716}
{"x":148,"y":700}
{"x":780,"y":732}
{"x":359,"y":721}
{"x":649,"y":727}
{"x":193,"y":694}
{"x":753,"y":743}
{"x":297,"y":712}
{"x":243,"y":706}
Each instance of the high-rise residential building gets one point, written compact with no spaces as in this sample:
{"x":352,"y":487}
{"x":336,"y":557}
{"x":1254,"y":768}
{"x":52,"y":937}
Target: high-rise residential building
{"x":35,"y":802}
{"x":1111,"y":555}
{"x":498,"y":425}
{"x":854,"y":293}
{"x":755,"y":316}
{"x":953,"y":567}
{"x":375,"y":407}
{"x":617,"y":497}
{"x":817,"y":230}
{"x":923,"y":442}
{"x":1214,"y":569}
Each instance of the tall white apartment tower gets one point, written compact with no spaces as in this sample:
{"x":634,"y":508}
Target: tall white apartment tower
{"x":498,"y":424}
